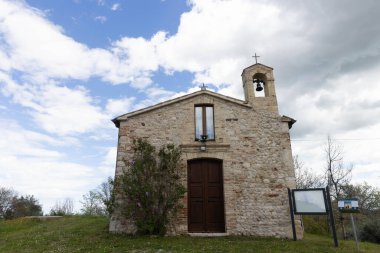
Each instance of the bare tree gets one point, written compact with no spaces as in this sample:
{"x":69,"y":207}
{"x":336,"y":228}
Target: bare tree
{"x":337,"y":173}
{"x":305,"y":177}
{"x":63,"y":208}
{"x":6,"y":197}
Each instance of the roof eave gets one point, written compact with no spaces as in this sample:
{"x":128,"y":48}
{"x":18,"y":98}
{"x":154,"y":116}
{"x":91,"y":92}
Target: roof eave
{"x":289,"y":120}
{"x":116,"y":122}
{"x":256,"y":64}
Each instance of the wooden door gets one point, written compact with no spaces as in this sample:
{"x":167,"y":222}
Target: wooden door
{"x":205,"y":196}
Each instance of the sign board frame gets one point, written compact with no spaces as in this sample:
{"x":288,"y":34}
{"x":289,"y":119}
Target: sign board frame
{"x":350,"y":205}
{"x":326,"y":199}
{"x":309,"y":197}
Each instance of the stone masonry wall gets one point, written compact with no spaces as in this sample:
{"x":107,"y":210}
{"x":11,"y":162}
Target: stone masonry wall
{"x":257,"y":161}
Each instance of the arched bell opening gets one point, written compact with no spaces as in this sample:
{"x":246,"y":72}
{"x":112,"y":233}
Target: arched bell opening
{"x":259,"y":85}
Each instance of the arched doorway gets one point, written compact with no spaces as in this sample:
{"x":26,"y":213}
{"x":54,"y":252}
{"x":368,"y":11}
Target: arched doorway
{"x":205,"y":196}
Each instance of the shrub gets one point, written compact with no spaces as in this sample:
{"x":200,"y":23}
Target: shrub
{"x":371,"y":232}
{"x":107,"y":195}
{"x":92,"y":204}
{"x":99,"y":201}
{"x":23,"y":206}
{"x":152,"y":187}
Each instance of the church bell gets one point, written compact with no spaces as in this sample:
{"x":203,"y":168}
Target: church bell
{"x":259,"y":84}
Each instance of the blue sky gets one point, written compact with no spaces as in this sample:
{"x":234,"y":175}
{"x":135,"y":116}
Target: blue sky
{"x":68,"y":67}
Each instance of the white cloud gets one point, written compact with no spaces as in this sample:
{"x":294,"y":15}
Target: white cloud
{"x":36,"y":46}
{"x":107,"y":166}
{"x":5,"y":62}
{"x":101,"y":19}
{"x":215,"y":57}
{"x":117,"y":107}
{"x":116,"y":6}
{"x":57,"y":109}
{"x":140,"y":55}
{"x":42,"y":51}
{"x":16,"y":140}
{"x":32,"y":164}
{"x":29,"y":157}
{"x":349,"y":102}
{"x":203,"y":49}
{"x":48,"y":180}
{"x":222,"y":35}
{"x":65,"y":110}
{"x":215,"y":40}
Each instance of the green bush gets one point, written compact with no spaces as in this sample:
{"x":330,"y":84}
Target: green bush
{"x":23,"y":206}
{"x":152,"y":187}
{"x":371,"y":232}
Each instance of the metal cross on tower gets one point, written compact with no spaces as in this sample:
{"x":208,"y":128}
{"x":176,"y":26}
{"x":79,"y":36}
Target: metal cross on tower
{"x":256,"y":56}
{"x":203,"y":86}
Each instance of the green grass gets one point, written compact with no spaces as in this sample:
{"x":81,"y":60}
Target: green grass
{"x":89,"y":234}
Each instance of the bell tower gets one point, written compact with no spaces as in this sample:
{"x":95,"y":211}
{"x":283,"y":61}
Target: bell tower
{"x":259,"y":88}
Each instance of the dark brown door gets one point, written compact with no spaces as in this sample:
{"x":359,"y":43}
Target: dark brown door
{"x":205,"y":196}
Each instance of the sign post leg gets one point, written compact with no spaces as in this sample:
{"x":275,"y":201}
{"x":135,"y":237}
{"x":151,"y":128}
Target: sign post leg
{"x":332,"y":222}
{"x":292,"y":215}
{"x":354,"y":229}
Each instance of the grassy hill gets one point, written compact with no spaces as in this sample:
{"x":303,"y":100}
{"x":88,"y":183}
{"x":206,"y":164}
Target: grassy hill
{"x":89,"y":234}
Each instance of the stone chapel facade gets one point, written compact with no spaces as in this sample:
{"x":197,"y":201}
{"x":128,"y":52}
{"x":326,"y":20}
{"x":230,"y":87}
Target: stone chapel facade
{"x":236,"y":158}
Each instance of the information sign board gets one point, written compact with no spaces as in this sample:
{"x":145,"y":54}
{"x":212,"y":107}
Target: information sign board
{"x":348,"y":205}
{"x":310,"y":201}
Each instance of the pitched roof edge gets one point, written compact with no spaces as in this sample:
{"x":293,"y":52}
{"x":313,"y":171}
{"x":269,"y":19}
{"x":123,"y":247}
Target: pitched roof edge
{"x":117,"y":120}
{"x":259,"y":64}
{"x":289,"y":120}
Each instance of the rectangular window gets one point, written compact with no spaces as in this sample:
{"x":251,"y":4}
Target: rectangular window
{"x":204,"y":122}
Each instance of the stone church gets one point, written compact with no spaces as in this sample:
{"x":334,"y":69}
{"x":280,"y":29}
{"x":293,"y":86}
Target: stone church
{"x":236,"y":158}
